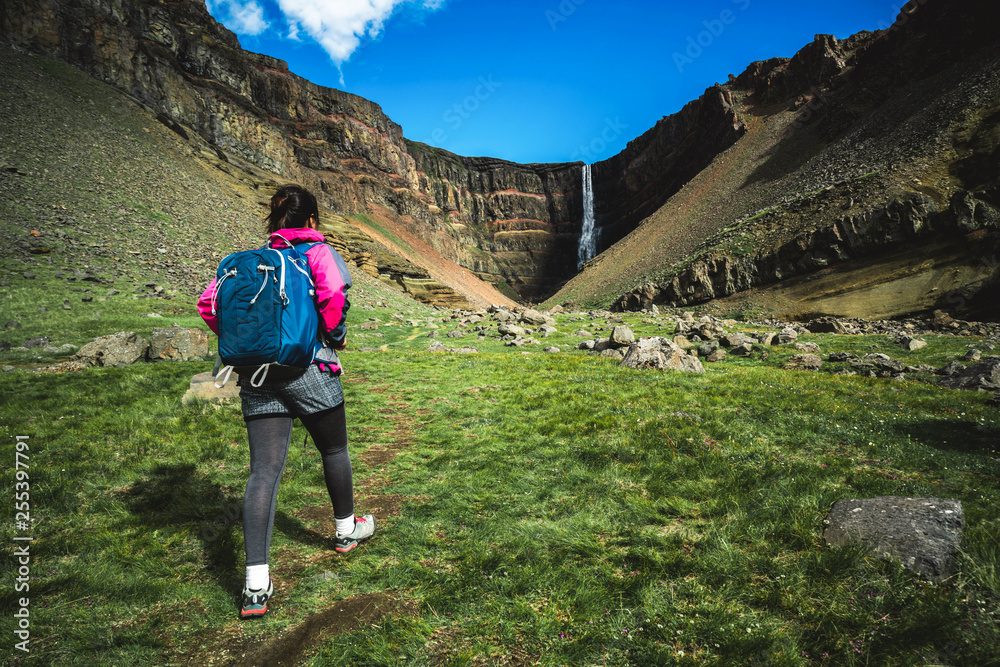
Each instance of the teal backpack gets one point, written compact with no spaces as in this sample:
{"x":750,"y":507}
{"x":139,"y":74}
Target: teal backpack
{"x":265,"y":301}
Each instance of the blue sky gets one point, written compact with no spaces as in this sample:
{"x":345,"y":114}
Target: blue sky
{"x":534,"y":81}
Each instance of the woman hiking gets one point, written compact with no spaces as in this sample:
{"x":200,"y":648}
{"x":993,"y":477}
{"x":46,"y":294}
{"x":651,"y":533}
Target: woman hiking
{"x":315,"y":397}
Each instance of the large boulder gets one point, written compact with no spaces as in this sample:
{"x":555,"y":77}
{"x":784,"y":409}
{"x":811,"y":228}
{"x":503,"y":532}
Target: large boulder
{"x":660,"y":353}
{"x":117,"y":349}
{"x":177,"y":344}
{"x":984,"y":376}
{"x":534,"y":318}
{"x":622,"y":336}
{"x":921,"y":533}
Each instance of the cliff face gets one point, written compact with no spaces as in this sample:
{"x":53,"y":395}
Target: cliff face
{"x":917,"y":107}
{"x":632,"y":185}
{"x":505,"y":222}
{"x":510,"y":223}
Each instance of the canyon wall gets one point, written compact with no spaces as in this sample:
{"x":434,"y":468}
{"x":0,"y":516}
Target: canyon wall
{"x":505,"y":222}
{"x":510,"y":223}
{"x":916,"y":105}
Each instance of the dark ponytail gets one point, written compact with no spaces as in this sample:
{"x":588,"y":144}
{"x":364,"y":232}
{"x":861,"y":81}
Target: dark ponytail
{"x":291,"y":206}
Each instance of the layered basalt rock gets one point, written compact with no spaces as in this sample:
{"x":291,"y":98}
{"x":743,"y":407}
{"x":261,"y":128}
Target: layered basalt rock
{"x":909,"y":222}
{"x":506,"y":222}
{"x":918,"y":104}
{"x":518,"y":223}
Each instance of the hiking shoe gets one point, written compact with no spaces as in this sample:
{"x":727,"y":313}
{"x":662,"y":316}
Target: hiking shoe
{"x":364,"y":527}
{"x":255,"y":600}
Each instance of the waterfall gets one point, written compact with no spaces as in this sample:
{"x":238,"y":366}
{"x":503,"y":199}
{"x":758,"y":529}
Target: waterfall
{"x":588,"y":235}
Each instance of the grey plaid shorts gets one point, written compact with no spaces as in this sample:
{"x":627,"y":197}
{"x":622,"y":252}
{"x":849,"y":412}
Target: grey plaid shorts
{"x":313,"y":391}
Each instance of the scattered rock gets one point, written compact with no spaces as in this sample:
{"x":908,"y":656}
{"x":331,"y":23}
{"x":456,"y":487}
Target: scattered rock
{"x":535,"y":318}
{"x":511,"y":330}
{"x":622,"y":336}
{"x":36,"y":341}
{"x":826,"y":325}
{"x":177,"y":344}
{"x":787,"y":335}
{"x":438,"y":346}
{"x":660,"y":353}
{"x":922,"y":533}
{"x":707,"y":348}
{"x":808,"y":348}
{"x":716,"y":355}
{"x":912,"y":344}
{"x":732,"y":340}
{"x":767,"y":338}
{"x":880,"y":361}
{"x":203,"y":386}
{"x":683,"y":342}
{"x":118,"y":349}
{"x":742,"y":350}
{"x":953,"y":368}
{"x":804,"y":362}
{"x":983,"y":376}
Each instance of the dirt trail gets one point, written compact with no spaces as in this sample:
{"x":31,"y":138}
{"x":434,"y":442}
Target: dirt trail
{"x":233,"y":644}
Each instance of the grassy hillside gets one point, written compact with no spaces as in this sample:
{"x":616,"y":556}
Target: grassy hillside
{"x":534,"y":507}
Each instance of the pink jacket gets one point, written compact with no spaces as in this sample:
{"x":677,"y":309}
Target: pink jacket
{"x":329,"y":273}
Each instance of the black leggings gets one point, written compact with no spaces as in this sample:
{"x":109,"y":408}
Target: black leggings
{"x":270,"y":437}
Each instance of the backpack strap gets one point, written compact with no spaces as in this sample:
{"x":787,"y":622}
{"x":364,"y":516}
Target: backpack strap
{"x":268,"y":244}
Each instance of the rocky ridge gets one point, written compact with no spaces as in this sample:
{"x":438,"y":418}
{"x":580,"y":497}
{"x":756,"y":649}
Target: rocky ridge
{"x":886,"y":154}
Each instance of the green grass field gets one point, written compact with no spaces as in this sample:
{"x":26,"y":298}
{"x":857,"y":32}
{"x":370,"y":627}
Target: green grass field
{"x":533,"y":508}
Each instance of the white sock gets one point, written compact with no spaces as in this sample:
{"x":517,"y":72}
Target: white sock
{"x":345,"y":526}
{"x":257,"y":576}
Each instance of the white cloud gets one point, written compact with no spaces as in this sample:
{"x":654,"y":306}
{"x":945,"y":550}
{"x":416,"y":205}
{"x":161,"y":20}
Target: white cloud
{"x":339,"y":25}
{"x":243,"y":18}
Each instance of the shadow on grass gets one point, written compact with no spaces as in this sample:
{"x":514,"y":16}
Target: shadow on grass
{"x":176,"y":496}
{"x":953,"y":435}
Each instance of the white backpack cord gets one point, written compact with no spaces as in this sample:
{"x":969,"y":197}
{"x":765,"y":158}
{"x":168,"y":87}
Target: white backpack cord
{"x":254,"y":382}
{"x":263,"y":268}
{"x":228,"y":371}
{"x":215,"y":295}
